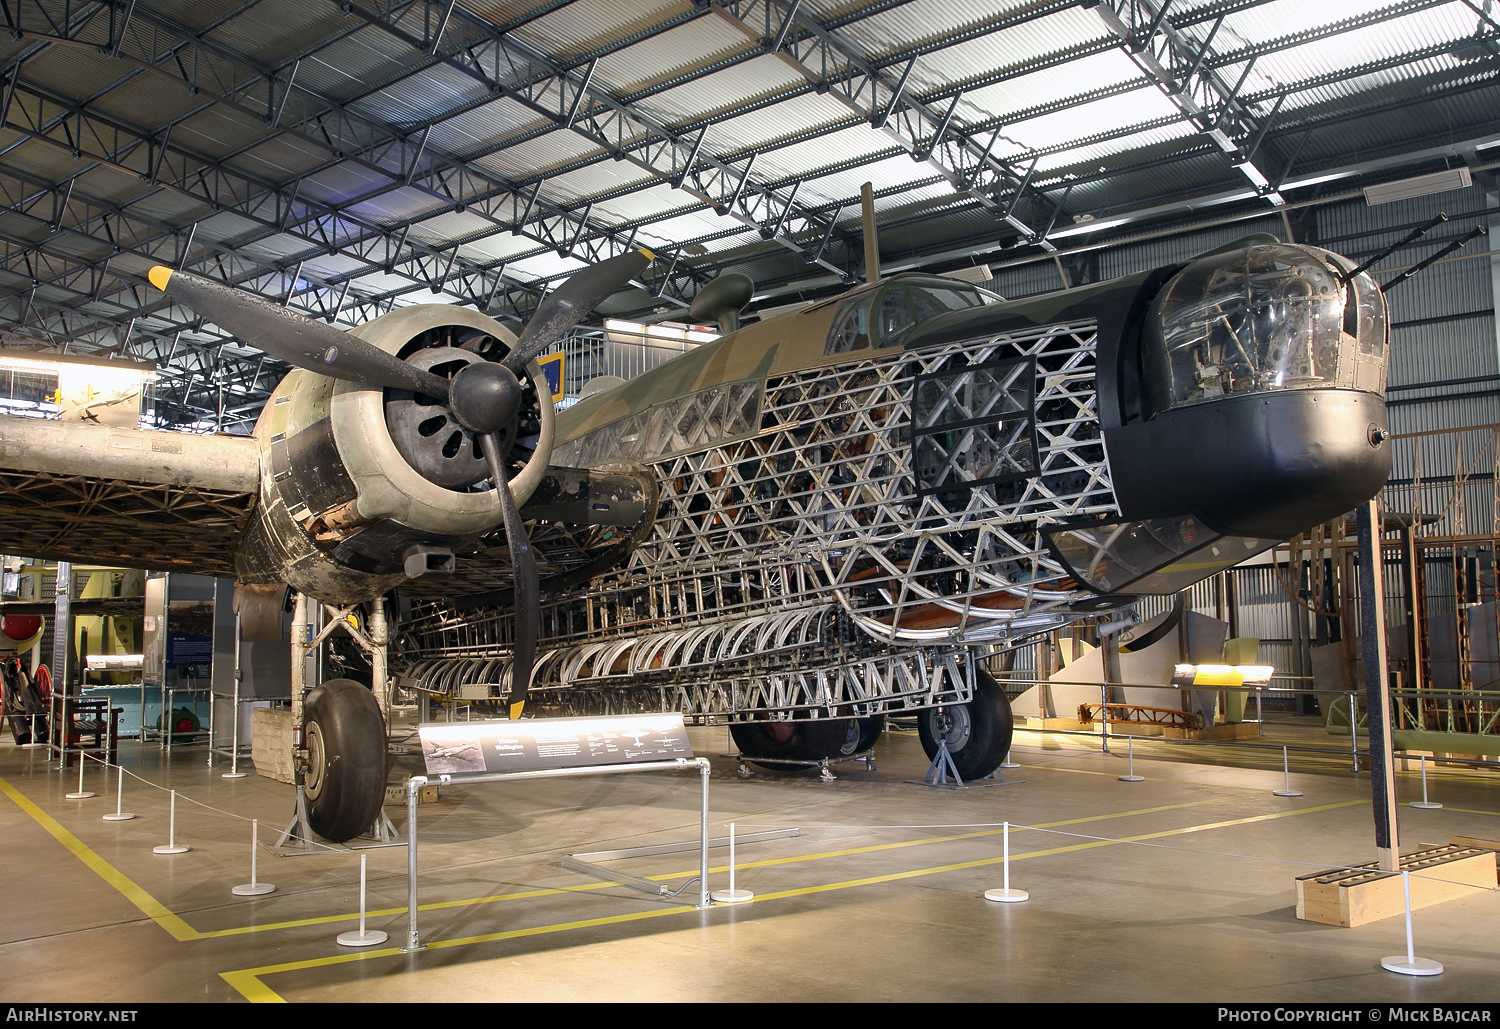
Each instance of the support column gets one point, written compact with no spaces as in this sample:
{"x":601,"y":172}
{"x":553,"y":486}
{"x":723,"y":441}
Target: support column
{"x":299,"y":655}
{"x":1377,"y":692}
{"x":62,"y":632}
{"x":379,"y":677}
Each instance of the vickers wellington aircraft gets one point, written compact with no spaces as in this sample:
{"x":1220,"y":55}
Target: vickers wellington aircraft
{"x":811,"y":522}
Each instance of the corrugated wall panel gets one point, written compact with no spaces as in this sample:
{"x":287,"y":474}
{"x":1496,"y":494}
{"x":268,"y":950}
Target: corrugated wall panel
{"x":1441,"y":352}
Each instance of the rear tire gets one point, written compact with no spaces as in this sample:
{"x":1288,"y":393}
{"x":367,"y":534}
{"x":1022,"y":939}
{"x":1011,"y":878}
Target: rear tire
{"x":345,"y":739}
{"x":797,"y":740}
{"x":869,"y":732}
{"x":978,"y":733}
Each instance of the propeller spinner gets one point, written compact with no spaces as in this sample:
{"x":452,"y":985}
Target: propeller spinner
{"x":483,"y":396}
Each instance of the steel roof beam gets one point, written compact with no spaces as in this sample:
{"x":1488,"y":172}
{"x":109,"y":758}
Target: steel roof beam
{"x":1176,"y":64}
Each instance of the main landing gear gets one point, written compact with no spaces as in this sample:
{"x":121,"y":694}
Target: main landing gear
{"x":978,"y":733}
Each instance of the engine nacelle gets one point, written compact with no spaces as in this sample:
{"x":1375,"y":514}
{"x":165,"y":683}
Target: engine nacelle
{"x":362,"y":489}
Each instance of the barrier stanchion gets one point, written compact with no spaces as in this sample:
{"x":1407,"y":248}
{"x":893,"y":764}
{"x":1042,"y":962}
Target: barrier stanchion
{"x":82,"y":794}
{"x":1132,"y":777}
{"x":35,"y":743}
{"x":363,"y":938}
{"x":1286,"y":771}
{"x":1410,"y":964}
{"x":253,"y":888}
{"x":1006,"y":895}
{"x":732,"y":895}
{"x":1008,"y":763}
{"x":1354,"y":732}
{"x":172,"y":846}
{"x":119,"y":815}
{"x":413,"y":939}
{"x":1425,"y":804}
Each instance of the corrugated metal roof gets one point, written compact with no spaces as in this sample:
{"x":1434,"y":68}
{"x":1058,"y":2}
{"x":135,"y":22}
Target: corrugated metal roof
{"x":277,"y":30}
{"x":590,"y":25}
{"x":723,"y":94}
{"x":908,"y":25}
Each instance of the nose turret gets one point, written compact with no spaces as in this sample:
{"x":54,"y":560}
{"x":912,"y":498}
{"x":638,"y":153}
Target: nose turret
{"x":1263,"y":378}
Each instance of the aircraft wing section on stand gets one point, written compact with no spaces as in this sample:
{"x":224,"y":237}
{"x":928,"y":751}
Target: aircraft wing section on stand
{"x":131,"y":497}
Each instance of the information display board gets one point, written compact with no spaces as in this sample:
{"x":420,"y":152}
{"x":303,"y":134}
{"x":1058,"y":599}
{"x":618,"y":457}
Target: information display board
{"x":537,"y":743}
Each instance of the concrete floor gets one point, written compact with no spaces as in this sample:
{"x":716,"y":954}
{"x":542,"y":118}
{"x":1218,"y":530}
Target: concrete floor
{"x":880,"y":898}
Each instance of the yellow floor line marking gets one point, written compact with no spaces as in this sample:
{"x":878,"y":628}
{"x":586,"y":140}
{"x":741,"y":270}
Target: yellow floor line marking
{"x":181,"y":931}
{"x":769,"y":862}
{"x":248,"y":982}
{"x":434,"y":906}
{"x":148,"y":905}
{"x":1471,"y":811}
{"x":1066,"y":849}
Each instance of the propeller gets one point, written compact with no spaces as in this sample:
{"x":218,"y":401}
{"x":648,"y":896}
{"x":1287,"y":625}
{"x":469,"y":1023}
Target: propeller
{"x":483,"y":396}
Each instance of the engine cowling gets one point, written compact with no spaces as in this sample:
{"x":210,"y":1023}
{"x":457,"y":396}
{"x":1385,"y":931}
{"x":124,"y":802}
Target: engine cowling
{"x":361,"y":489}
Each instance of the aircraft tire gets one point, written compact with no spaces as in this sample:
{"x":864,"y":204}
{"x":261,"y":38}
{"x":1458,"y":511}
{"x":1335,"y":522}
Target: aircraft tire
{"x":869,"y":732}
{"x":978,"y":732}
{"x":345,"y":738}
{"x":797,"y":740}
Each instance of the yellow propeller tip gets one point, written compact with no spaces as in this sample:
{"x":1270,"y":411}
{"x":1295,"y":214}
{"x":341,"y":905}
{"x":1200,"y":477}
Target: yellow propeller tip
{"x":649,"y":255}
{"x":515,"y":710}
{"x":160,"y":276}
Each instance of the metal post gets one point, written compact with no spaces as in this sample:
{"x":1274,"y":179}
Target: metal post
{"x":234,"y":739}
{"x":1411,"y":964}
{"x":62,"y":619}
{"x":82,"y":794}
{"x":704,"y":900}
{"x":361,"y":938}
{"x":1132,"y":777}
{"x":119,"y":815}
{"x":1104,"y":717}
{"x":1424,"y":804}
{"x":1354,"y":732}
{"x":172,"y":846}
{"x":1286,"y":770}
{"x":253,"y":888}
{"x":413,"y":940}
{"x":1006,"y":895}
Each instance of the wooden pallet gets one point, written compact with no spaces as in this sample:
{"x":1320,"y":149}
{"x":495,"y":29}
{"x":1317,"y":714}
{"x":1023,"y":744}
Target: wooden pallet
{"x":1350,"y":897}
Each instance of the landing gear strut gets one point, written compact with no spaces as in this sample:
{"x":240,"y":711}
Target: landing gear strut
{"x":341,"y":763}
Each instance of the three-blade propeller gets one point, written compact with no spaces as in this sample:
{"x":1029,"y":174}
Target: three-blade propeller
{"x":483,"y":397}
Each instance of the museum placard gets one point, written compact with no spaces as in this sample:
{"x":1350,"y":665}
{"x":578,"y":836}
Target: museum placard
{"x":533,"y":744}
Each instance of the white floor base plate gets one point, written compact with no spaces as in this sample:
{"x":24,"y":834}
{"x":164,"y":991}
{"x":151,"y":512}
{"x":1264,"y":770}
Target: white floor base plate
{"x":1425,"y":805}
{"x":122,"y":816}
{"x":1131,"y":778}
{"x":164,"y":849}
{"x":369,"y":938}
{"x":234,"y":775}
{"x":1006,"y":896}
{"x":252,"y":889}
{"x":731,"y":896}
{"x":1418,"y":966}
{"x":80,"y":796}
{"x":1286,"y":793}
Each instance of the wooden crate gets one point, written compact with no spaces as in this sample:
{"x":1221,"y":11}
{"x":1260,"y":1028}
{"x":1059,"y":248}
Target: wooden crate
{"x":395,"y":794}
{"x":271,"y":742}
{"x":1351,"y":897}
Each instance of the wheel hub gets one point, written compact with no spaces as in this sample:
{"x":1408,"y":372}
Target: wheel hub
{"x":954,"y":726}
{"x":315,"y":761}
